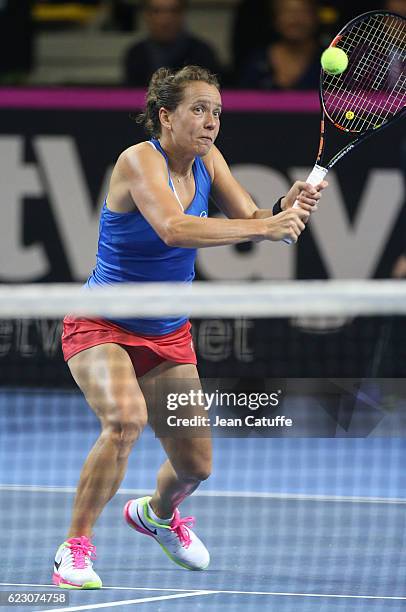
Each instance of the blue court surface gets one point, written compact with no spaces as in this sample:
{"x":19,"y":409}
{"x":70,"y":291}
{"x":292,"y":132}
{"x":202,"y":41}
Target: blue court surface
{"x":298,"y":524}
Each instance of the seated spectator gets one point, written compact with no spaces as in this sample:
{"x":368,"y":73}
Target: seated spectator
{"x":167,"y":44}
{"x":291,"y":60}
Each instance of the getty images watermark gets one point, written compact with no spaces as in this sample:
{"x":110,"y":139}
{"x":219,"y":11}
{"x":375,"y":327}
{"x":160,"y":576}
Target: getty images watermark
{"x":226,"y":407}
{"x":265,"y":407}
{"x":222,"y":399}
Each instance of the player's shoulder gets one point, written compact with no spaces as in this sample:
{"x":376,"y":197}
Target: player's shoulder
{"x":213,"y":160}
{"x":140,"y":156}
{"x":139,"y":151}
{"x":214,"y":154}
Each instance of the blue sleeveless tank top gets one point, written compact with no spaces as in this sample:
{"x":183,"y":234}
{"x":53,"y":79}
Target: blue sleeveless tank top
{"x":130,"y":251}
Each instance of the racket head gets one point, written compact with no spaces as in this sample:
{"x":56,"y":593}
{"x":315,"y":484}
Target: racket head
{"x":372,"y":90}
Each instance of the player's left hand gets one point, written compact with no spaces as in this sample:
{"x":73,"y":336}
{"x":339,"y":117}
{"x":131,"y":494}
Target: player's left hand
{"x":307,"y":196}
{"x":399,"y":269}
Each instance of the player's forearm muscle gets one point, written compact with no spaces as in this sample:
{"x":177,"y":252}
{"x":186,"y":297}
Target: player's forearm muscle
{"x":195,"y":232}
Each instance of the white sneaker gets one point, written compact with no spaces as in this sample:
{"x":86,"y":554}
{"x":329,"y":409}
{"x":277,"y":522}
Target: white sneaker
{"x":179,"y":542}
{"x":73,"y":568}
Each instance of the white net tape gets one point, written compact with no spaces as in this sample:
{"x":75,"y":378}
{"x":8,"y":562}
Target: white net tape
{"x":207,"y":299}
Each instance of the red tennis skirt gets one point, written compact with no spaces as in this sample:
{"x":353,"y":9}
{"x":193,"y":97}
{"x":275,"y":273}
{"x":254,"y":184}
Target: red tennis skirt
{"x":145,"y":352}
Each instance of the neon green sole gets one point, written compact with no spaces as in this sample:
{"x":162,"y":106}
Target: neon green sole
{"x":87,"y":585}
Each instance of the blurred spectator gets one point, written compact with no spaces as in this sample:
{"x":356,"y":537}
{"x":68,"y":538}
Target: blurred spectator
{"x":167,"y":44}
{"x":252,"y":29}
{"x":291,"y":59}
{"x":16,"y":41}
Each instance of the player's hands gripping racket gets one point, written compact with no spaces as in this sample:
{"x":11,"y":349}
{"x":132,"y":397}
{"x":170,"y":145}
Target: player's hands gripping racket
{"x":371,"y":93}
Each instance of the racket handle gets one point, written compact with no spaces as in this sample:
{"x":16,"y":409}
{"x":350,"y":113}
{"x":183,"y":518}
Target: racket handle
{"x":315,"y":177}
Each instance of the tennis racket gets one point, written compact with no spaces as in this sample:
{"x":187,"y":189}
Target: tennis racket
{"x":371,"y":93}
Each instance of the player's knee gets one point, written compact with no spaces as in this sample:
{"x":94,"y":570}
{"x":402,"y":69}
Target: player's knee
{"x":124,"y":432}
{"x":197,"y":470}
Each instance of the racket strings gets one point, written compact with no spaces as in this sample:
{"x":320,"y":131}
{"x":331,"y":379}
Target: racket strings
{"x":362,"y":70}
{"x":376,"y":59}
{"x":379,"y":48}
{"x":389,"y":68}
{"x":381,"y":76}
{"x":368,"y":62}
{"x":368,"y":103}
{"x":374,"y":86}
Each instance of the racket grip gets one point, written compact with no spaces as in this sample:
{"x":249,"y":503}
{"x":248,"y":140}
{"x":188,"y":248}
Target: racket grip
{"x":315,"y":177}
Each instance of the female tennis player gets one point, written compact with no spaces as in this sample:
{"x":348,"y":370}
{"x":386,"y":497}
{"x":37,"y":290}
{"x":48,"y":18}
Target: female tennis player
{"x":154,"y":218}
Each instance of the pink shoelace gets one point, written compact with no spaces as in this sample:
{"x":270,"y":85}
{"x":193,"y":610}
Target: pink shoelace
{"x":179,"y":526}
{"x":80,"y":549}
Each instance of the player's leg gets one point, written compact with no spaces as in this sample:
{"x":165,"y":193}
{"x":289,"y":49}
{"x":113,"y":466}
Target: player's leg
{"x":189,"y":459}
{"x":106,"y":377}
{"x":188,"y":464}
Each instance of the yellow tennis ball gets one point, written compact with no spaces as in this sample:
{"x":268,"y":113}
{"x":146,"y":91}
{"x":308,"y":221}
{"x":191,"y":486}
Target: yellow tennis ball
{"x":349,"y":115}
{"x":334,"y":60}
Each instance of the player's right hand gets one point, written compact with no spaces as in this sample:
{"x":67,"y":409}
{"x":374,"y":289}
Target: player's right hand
{"x":287,"y":224}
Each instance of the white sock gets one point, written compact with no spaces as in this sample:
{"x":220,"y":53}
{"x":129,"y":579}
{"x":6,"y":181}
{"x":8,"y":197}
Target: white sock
{"x":156,"y":518}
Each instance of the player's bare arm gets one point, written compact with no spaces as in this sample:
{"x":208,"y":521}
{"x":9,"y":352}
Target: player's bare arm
{"x":141,"y":179}
{"x":236,"y":203}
